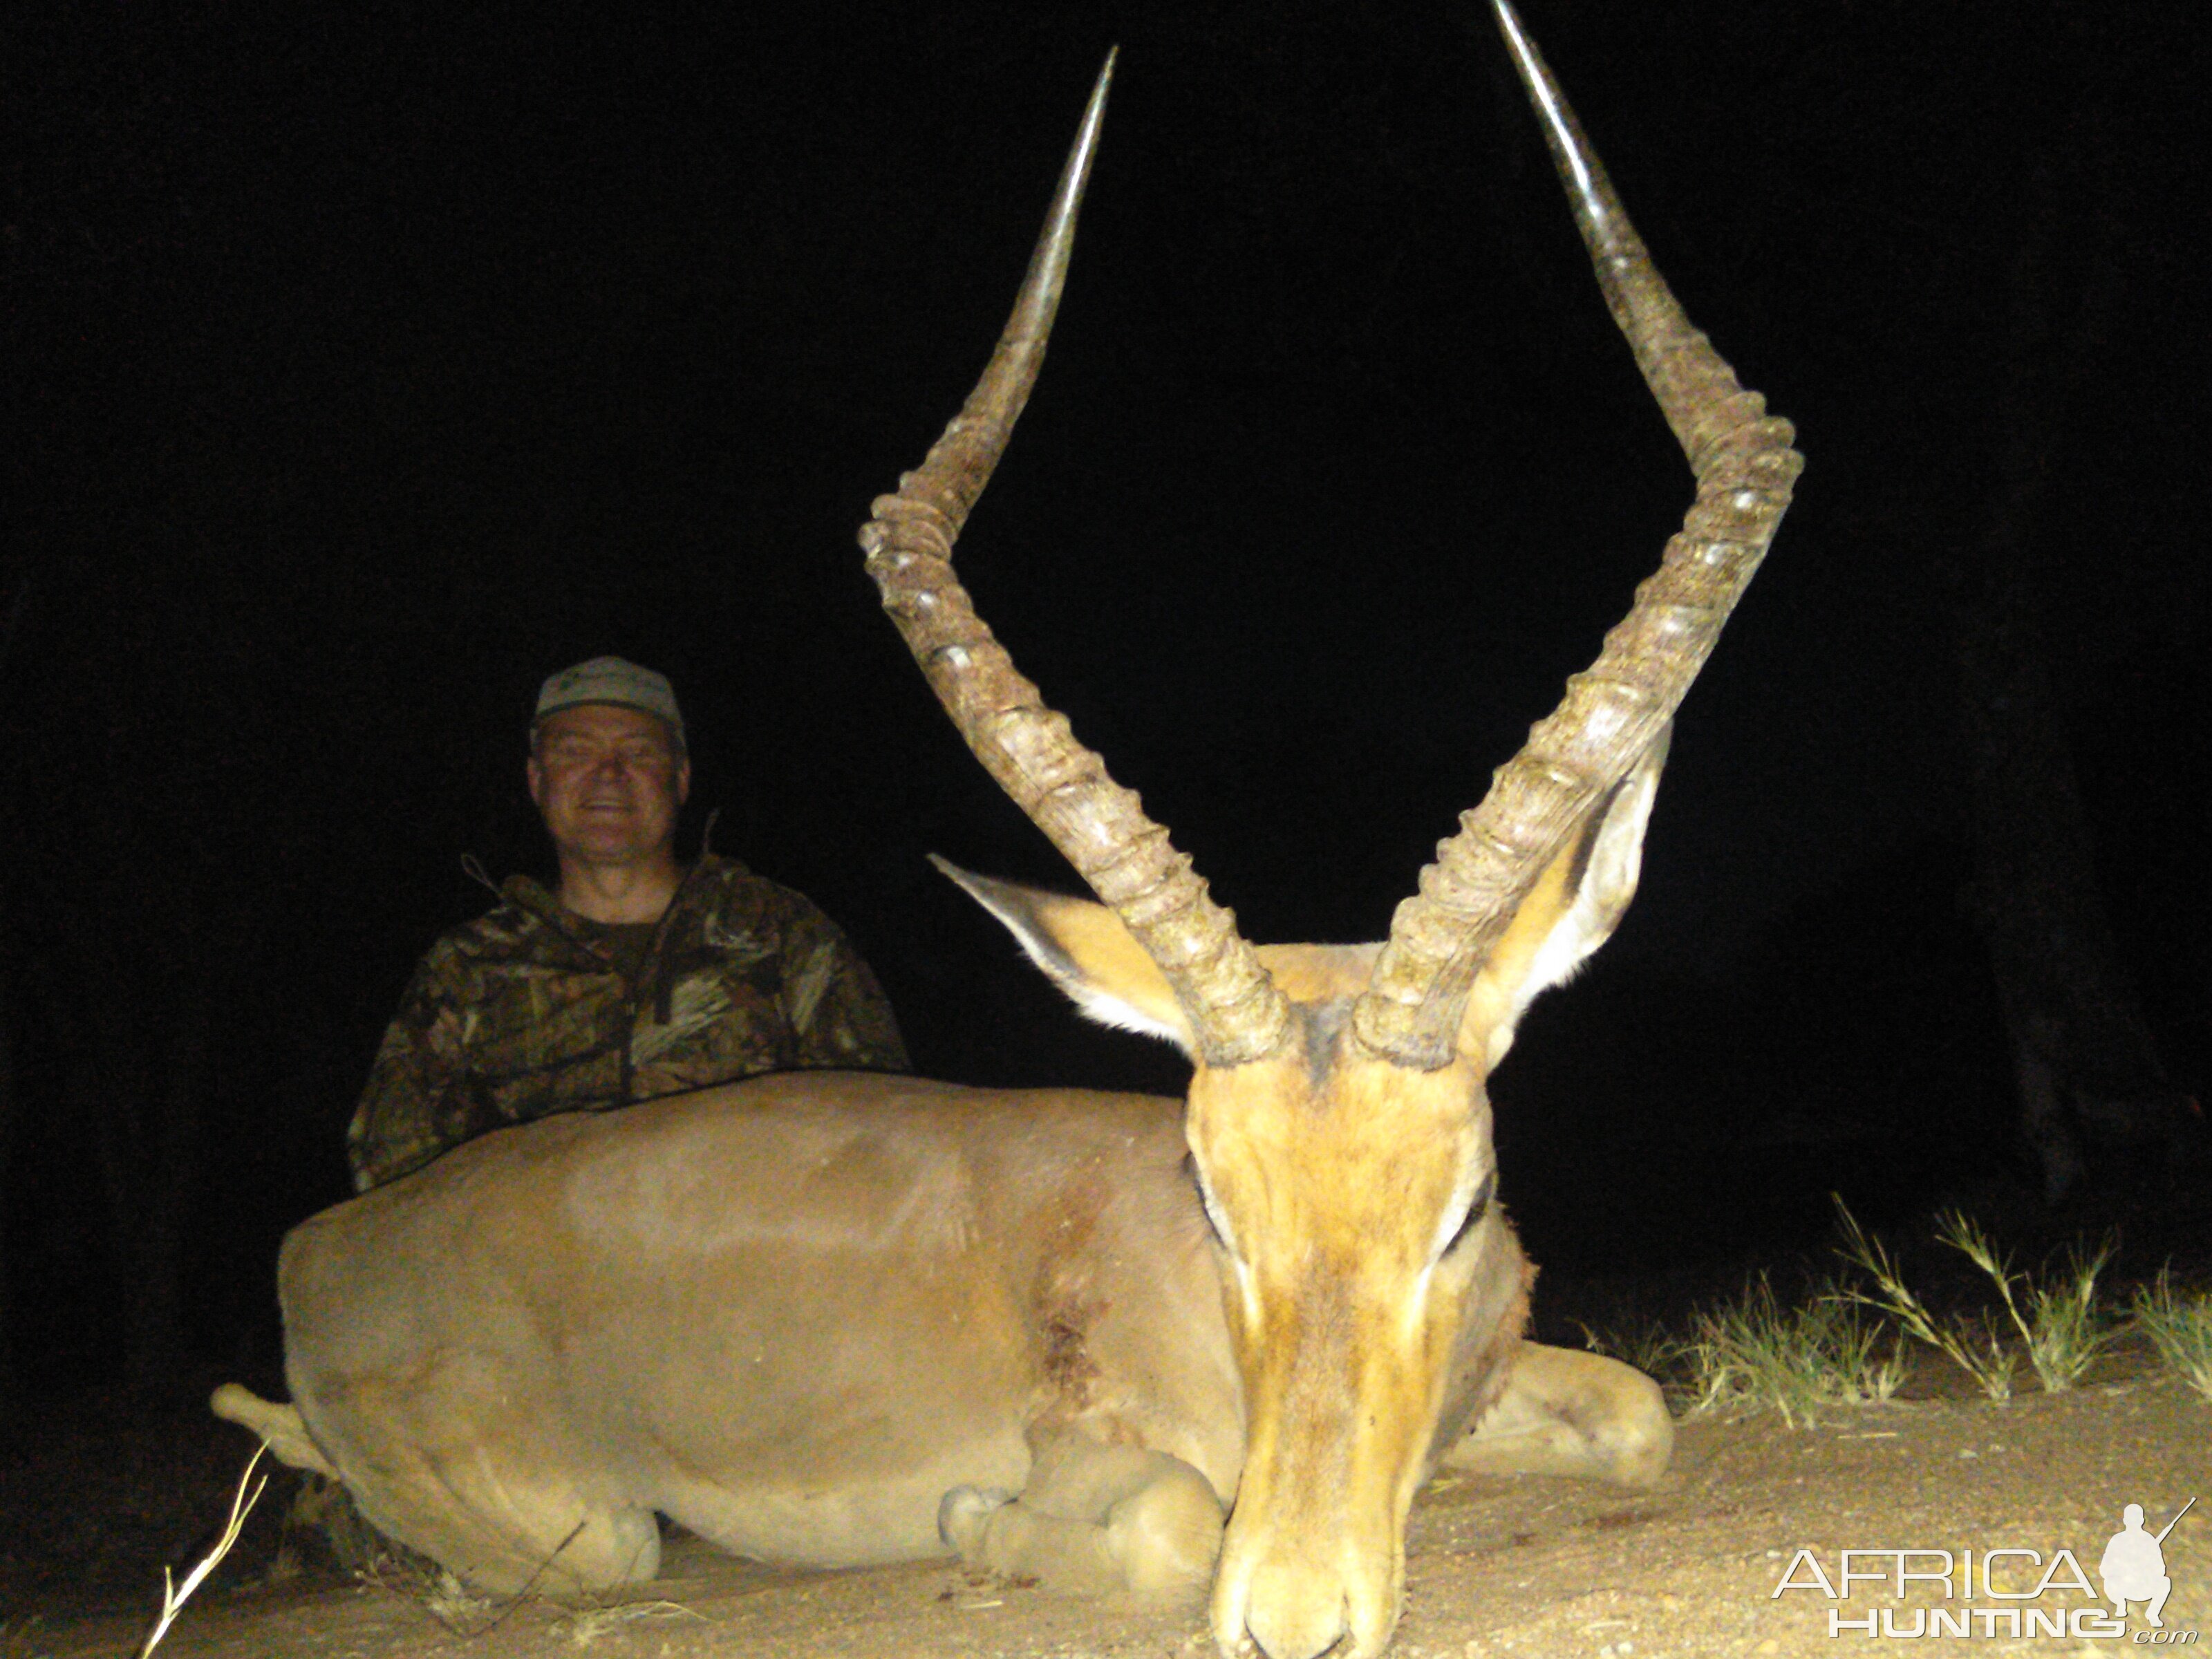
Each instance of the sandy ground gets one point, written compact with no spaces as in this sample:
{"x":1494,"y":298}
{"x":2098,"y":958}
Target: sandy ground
{"x":1534,"y":1567}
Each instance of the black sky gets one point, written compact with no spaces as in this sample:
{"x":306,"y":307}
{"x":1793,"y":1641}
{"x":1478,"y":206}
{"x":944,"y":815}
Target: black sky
{"x":361,"y":370}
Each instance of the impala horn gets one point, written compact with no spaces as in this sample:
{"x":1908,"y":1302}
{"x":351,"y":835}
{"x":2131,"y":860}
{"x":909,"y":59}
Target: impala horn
{"x":1234,"y":1007}
{"x":1744,"y":465}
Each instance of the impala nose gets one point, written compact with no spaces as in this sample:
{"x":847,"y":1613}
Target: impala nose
{"x":1295,"y":1613}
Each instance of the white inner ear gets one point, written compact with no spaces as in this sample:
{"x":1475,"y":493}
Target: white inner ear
{"x":1608,"y":883}
{"x":1103,"y":1007}
{"x":1093,"y":1001}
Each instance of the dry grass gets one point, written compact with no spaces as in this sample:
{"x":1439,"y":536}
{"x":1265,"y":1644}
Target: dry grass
{"x":588,"y":1624}
{"x":2061,"y":1328}
{"x":1972,"y":1344}
{"x":173,"y":1595}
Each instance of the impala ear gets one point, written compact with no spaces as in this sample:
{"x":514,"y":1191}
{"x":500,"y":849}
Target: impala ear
{"x":1085,"y":951}
{"x":1573,"y":909}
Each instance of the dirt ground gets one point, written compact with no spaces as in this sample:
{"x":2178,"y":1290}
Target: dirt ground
{"x":1535,"y":1567}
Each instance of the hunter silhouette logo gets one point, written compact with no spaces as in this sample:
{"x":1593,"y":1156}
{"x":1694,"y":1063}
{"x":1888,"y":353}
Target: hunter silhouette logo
{"x":2134,"y":1564}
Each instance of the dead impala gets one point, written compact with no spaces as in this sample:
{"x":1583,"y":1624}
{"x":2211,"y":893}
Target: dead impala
{"x":839,"y":1319}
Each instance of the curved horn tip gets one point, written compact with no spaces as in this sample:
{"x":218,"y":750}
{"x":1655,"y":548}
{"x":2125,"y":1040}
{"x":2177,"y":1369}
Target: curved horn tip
{"x":1094,"y":112}
{"x":1579,"y":165}
{"x":1039,"y":296}
{"x":1526,"y":57}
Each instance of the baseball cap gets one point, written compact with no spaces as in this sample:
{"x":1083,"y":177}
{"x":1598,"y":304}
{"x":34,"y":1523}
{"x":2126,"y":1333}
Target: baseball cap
{"x":611,"y":680}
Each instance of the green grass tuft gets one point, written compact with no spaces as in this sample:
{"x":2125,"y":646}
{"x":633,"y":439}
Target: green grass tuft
{"x":2180,"y":1326}
{"x":1754,"y":1353}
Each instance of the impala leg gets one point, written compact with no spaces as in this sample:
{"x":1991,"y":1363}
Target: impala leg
{"x":1565,"y":1411}
{"x":1093,"y":1518}
{"x":443,"y":1462}
{"x":510,"y":1534}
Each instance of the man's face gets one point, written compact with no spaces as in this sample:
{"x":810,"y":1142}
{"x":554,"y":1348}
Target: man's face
{"x":609,"y":782}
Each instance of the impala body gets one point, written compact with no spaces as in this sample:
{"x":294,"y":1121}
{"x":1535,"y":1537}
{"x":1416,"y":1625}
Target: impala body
{"x":1109,"y":1340}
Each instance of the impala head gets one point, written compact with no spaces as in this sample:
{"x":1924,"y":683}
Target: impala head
{"x":1338,"y":1123}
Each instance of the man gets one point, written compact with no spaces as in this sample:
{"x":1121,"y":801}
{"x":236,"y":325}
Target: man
{"x":634,"y":978}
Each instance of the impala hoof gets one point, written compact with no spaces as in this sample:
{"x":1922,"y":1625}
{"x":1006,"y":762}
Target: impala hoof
{"x":963,"y":1512}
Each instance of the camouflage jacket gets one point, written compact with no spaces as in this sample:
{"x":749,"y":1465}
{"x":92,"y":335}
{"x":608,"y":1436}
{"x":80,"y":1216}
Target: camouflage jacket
{"x":531,"y":1010}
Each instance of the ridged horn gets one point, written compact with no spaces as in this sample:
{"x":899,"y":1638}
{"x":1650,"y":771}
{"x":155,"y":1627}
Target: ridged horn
{"x":1745,"y":468}
{"x":1234,"y":1007}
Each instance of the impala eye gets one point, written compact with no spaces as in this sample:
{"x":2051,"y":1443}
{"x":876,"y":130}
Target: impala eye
{"x":1477,"y":1207}
{"x":1213,"y":1222}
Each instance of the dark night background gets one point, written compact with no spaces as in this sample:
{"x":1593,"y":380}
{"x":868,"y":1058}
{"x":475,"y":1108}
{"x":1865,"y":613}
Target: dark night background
{"x":361,"y":370}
